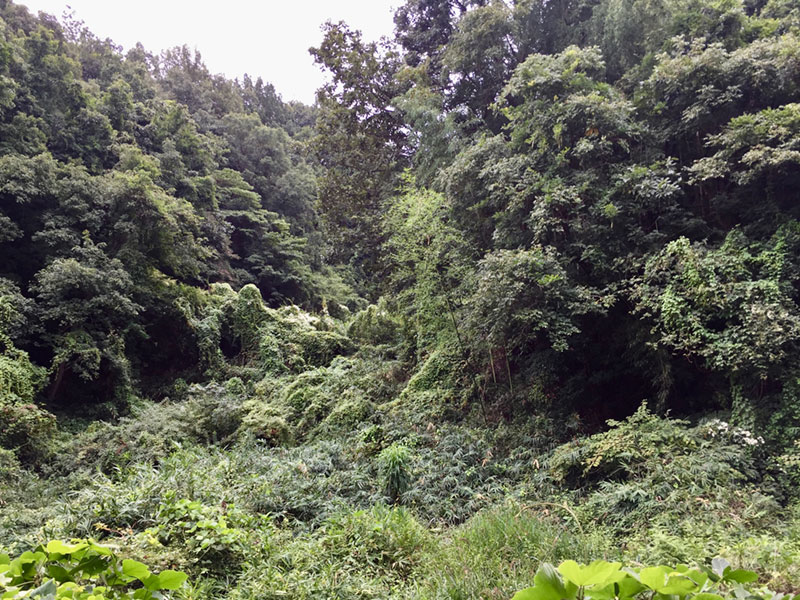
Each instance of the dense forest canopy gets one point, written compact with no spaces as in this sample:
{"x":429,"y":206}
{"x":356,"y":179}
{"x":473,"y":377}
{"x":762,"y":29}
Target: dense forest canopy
{"x":527,"y":274}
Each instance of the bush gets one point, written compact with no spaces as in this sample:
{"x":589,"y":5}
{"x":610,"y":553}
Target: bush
{"x":82,"y":570}
{"x":647,"y":466}
{"x":322,"y":402}
{"x":319,"y":348}
{"x":211,"y":414}
{"x":216,"y":538}
{"x":384,"y":540}
{"x":375,"y":325}
{"x":394,"y":465}
{"x":25,"y":427}
{"x":266,"y":422}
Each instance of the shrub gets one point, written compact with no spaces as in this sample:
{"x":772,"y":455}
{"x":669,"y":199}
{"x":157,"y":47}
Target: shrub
{"x":395,"y":470}
{"x":375,"y":325}
{"x":382,"y":539}
{"x":326,"y":401}
{"x":319,"y":348}
{"x":647,"y":466}
{"x":82,"y":570}
{"x":217,"y":538}
{"x":266,"y":422}
{"x":27,"y":429}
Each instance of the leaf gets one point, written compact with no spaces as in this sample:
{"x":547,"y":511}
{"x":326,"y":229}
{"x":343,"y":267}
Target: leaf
{"x":654,"y":577}
{"x":628,"y":588}
{"x":718,"y":565}
{"x":548,"y":584}
{"x":101,"y":549}
{"x":599,"y":572}
{"x":678,"y":586}
{"x":171,"y":580}
{"x":25,"y":561}
{"x":607,"y":592}
{"x":530,"y":593}
{"x":741,"y":576}
{"x":59,"y":547}
{"x":5,"y":559}
{"x":59,"y":573}
{"x":133,"y":568}
{"x":92,"y":565}
{"x":152,"y":583}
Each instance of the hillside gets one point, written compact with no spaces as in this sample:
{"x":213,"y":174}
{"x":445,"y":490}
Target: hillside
{"x":520,"y":288}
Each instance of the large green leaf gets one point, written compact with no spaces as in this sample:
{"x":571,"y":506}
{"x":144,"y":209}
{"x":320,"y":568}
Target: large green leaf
{"x":740,"y":576}
{"x":654,"y":577}
{"x":59,"y":573}
{"x":628,"y":588}
{"x":59,"y":547}
{"x":547,"y":586}
{"x":530,"y":593}
{"x":101,"y":548}
{"x":91,"y":565}
{"x":607,"y":592}
{"x":679,"y":586}
{"x":133,"y":568}
{"x":171,"y":580}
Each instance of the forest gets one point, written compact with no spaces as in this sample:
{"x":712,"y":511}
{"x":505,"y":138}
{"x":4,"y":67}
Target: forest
{"x":513,"y":310}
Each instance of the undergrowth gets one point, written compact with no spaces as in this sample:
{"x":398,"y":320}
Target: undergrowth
{"x":306,"y":469}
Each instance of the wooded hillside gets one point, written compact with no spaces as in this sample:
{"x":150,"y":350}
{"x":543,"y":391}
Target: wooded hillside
{"x":521,"y":287}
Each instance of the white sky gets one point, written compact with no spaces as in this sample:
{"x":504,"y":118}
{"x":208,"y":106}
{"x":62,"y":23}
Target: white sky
{"x":263,"y":38}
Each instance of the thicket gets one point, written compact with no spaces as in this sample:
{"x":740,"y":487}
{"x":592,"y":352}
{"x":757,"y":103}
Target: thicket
{"x":520,"y":289}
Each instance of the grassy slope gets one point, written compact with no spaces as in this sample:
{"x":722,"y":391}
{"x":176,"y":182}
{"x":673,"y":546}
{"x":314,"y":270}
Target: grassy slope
{"x":347,"y":477}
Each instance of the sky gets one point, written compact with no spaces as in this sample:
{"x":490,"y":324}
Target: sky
{"x":263,"y":38}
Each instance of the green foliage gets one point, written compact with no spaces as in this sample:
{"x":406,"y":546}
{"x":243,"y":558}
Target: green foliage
{"x":82,"y":569}
{"x":374,"y":325}
{"x":359,"y":140}
{"x":600,"y":578}
{"x":727,"y":306}
{"x":661,"y":468}
{"x":25,"y":427}
{"x":430,"y":264}
{"x":564,"y":208}
{"x":394,"y":465}
{"x":215,"y":538}
{"x":524,"y":296}
{"x":383,"y":539}
{"x":321,"y":402}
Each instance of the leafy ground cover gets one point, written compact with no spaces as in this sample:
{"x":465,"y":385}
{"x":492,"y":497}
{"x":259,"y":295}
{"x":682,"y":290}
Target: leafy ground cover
{"x":355,"y":502}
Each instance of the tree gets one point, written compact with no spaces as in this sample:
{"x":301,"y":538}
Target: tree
{"x":360,"y":142}
{"x":84,"y":305}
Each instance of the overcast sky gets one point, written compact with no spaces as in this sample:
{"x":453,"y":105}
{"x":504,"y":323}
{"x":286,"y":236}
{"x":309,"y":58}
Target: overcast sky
{"x":266,"y":38}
